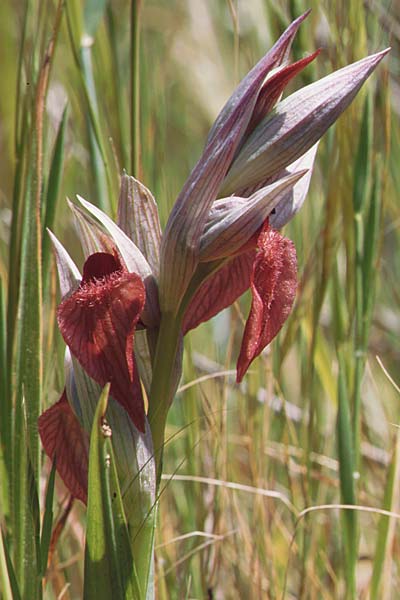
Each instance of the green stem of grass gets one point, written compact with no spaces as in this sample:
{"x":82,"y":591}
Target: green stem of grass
{"x":120,"y":101}
{"x":83,"y":59}
{"x":362,"y":183}
{"x":359,"y":350}
{"x":135,"y":87}
{"x":346,"y":472}
{"x":97,"y":154}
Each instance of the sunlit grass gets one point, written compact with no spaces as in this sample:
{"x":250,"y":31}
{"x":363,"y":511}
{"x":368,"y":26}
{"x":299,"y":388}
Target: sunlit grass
{"x":248,"y":468}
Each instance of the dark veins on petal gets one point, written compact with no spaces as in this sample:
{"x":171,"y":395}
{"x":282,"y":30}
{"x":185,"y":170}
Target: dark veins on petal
{"x":98,"y":321}
{"x":220,"y":290}
{"x":273,"y":288}
{"x":64,"y":439}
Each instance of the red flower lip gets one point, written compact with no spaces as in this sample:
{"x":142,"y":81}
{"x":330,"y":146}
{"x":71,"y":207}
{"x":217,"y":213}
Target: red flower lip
{"x":273,"y":285}
{"x":268,"y":266}
{"x":97,"y":322}
{"x":64,"y":440}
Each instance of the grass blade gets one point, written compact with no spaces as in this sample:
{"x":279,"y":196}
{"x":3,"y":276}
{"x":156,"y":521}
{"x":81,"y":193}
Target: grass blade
{"x":373,"y":233}
{"x":9,"y":585}
{"x":385,"y":529}
{"x":126,"y":563}
{"x":346,"y":472}
{"x":47,"y":520}
{"x":135,"y":86}
{"x":5,"y":409}
{"x":35,"y":516}
{"x":105,"y":575}
{"x":361,"y":186}
{"x":78,"y":22}
{"x":52,"y":195}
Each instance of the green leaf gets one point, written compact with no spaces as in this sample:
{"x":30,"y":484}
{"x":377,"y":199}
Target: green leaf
{"x":35,"y":514}
{"x":4,"y":487}
{"x":25,"y":511}
{"x":47,"y":520}
{"x":346,"y":472}
{"x":5,"y":411}
{"x":134,"y":461}
{"x":125,"y":557}
{"x":109,"y":570}
{"x":385,"y":538}
{"x":362,"y":167}
{"x":361,"y":186}
{"x":52,"y":194}
{"x":4,"y":405}
{"x":81,"y":42}
{"x":8,"y":581}
{"x":28,"y":385}
{"x":97,"y":149}
{"x":373,"y":232}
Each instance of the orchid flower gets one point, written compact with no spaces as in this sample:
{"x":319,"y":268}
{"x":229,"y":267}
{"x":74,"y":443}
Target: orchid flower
{"x":142,"y":289}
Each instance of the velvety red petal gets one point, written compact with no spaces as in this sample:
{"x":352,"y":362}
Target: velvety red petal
{"x":220,"y":290}
{"x":273,"y":287}
{"x":98,"y":321}
{"x":63,"y":437}
{"x":101,"y":264}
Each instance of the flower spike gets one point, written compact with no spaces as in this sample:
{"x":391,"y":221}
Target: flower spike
{"x":181,"y":239}
{"x":142,"y":290}
{"x":296,"y":124}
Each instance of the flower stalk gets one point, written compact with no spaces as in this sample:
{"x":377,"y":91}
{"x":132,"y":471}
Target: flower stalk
{"x":164,"y":383}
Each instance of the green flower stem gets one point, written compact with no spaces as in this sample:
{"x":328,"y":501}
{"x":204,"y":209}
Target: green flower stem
{"x":164,"y":381}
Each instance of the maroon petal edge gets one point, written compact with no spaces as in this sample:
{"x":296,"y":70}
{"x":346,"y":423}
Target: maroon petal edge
{"x":64,"y":439}
{"x":273,"y":287}
{"x":98,"y":321}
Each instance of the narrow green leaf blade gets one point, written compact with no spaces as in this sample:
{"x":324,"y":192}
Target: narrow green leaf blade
{"x":346,"y":470}
{"x":101,"y":579}
{"x":105,"y":576}
{"x":362,"y":167}
{"x":373,"y":231}
{"x":383,"y":540}
{"x":47,"y":520}
{"x":33,"y":498}
{"x":8,"y":581}
{"x":52,"y":194}
{"x":4,"y":404}
{"x":126,"y":564}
